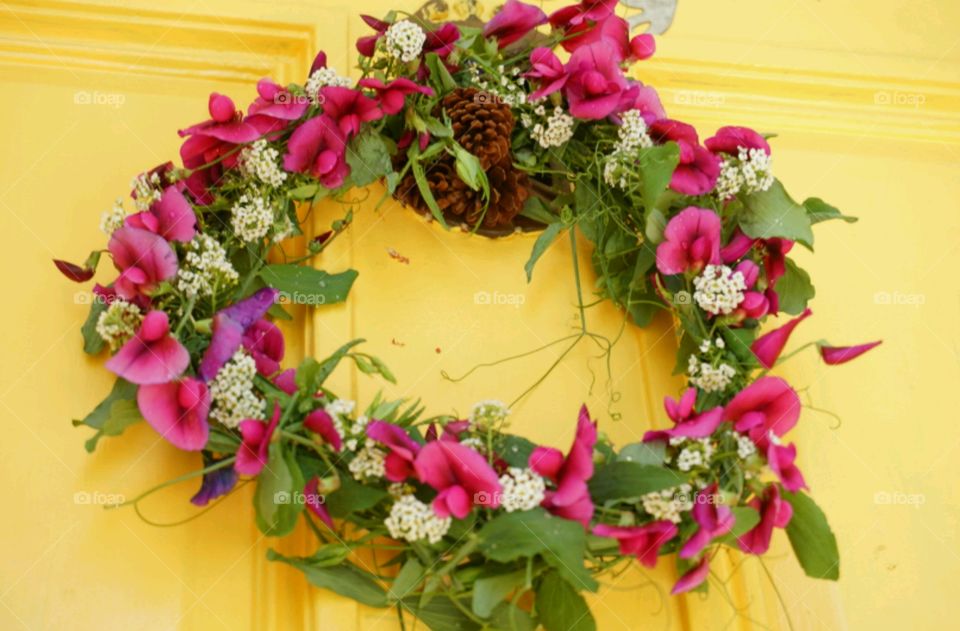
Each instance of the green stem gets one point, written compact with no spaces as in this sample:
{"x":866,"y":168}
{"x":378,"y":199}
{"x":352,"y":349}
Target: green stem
{"x":186,"y":314}
{"x":183,"y":478}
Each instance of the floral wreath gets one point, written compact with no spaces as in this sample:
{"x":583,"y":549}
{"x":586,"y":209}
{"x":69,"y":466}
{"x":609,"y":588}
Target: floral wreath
{"x":486,"y":127}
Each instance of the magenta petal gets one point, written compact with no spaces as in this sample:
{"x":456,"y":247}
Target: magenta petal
{"x":320,"y":422}
{"x":444,"y":464}
{"x":176,"y":219}
{"x":781,"y":459}
{"x":692,"y":578}
{"x":394,"y":437}
{"x":147,"y":252}
{"x":150,"y":361}
{"x":834,"y":355}
{"x":768,"y":347}
{"x":316,"y":503}
{"x":546,"y":462}
{"x":768,"y":404}
{"x":163,"y":407}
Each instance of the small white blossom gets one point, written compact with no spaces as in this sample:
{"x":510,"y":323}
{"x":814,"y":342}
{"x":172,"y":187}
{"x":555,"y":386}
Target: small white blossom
{"x":113,"y":219}
{"x":557,"y":130}
{"x":522,"y":489}
{"x":488,"y":413}
{"x":709,"y":378}
{"x":355,"y":434}
{"x":719,"y":289}
{"x":252,"y":217}
{"x":232,"y":395}
{"x":119,"y":323}
{"x":697,"y":453}
{"x":405,"y":40}
{"x":321,"y":78}
{"x":750,"y":172}
{"x":745,"y":446}
{"x":412,"y":520}
{"x":340,"y":411}
{"x":205,"y":268}
{"x":633,"y":136}
{"x":146,"y":190}
{"x":368,"y":463}
{"x":262,"y":161}
{"x":669,"y":504}
{"x":476,"y":443}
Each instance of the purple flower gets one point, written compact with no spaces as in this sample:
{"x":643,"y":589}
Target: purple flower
{"x":264,"y":341}
{"x":367,"y":45}
{"x":730,"y":140}
{"x":275,"y":107}
{"x":692,"y":578}
{"x":571,"y":498}
{"x":215,"y":484}
{"x":320,"y":422}
{"x":349,"y":108}
{"x":513,"y":21}
{"x":391,"y":96}
{"x":229,"y":326}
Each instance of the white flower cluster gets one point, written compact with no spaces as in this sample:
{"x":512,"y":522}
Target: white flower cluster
{"x":522,"y":489}
{"x":697,"y":452}
{"x":632,"y":137}
{"x":669,"y":503}
{"x":355,"y":434}
{"x":340,"y":411}
{"x":708,"y":377}
{"x":262,"y":161}
{"x":147,"y":189}
{"x":412,"y":520}
{"x":509,"y":89}
{"x":405,"y":40}
{"x":553,"y":131}
{"x":750,"y":172}
{"x":488,"y":413}
{"x":119,"y":323}
{"x":475,"y":443}
{"x":252,"y":217}
{"x":719,"y":289}
{"x":231,"y":392}
{"x":112,"y":219}
{"x":205,"y":268}
{"x":368,"y":463}
{"x":321,"y":78}
{"x":745,"y":446}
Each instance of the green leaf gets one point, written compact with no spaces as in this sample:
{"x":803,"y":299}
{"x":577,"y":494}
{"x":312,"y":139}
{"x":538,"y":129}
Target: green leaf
{"x":222,"y":441}
{"x":441,"y":614}
{"x":489,"y":591}
{"x":652,"y":453}
{"x":515,"y":450}
{"x":352,"y":496}
{"x":543,"y":242}
{"x":424,"y":187}
{"x":275,"y":499}
{"x":439,"y":75}
{"x":819,"y":210}
{"x":92,"y":342}
{"x":522,"y":534}
{"x":561,"y":608}
{"x":745,"y":519}
{"x":123,"y":414}
{"x":122,"y":390}
{"x":469,"y":170}
{"x":811,"y":538}
{"x":773,"y":213}
{"x":411,"y":574}
{"x":312,"y":374}
{"x":739,"y":341}
{"x":535,"y":209}
{"x":511,"y":618}
{"x":656,"y":166}
{"x":346,"y":579}
{"x":304,"y":285}
{"x":622,"y":480}
{"x":369,"y":158}
{"x":794,"y":289}
{"x":303,"y":192}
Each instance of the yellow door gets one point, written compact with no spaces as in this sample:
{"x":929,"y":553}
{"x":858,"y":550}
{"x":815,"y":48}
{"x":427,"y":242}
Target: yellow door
{"x":866,"y":108}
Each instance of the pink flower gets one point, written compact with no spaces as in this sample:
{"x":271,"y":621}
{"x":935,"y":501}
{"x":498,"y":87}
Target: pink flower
{"x":834,"y":355}
{"x":737,"y":247}
{"x":584,"y":11}
{"x":713,"y":518}
{"x":687,"y":424}
{"x":153,"y":355}
{"x":320,"y":422}
{"x":698,"y":169}
{"x":643,"y":542}
{"x":315,"y":501}
{"x":171,"y":217}
{"x":255,"y":446}
{"x":767,"y":405}
{"x":391,"y":96}
{"x":399,"y":462}
{"x":367,"y":45}
{"x":691,"y":242}
{"x":441,"y":40}
{"x":693,"y":577}
{"x":547,"y":70}
{"x":286,"y":381}
{"x":513,"y":21}
{"x":264,"y":341}
{"x":643,"y":98}
{"x":74,"y":272}
{"x":177,"y":410}
{"x":318,"y":147}
{"x":729,"y":140}
{"x":275,"y":107}
{"x":571,"y":498}
{"x":774,"y":512}
{"x":350,"y":108}
{"x":775,"y":258}
{"x":461,"y":475}
{"x":319,"y":62}
{"x":768,"y":346}
{"x":595,"y":85}
{"x":781,"y":459}
{"x":229,"y":326}
{"x":144,"y":260}
{"x":755,"y":304}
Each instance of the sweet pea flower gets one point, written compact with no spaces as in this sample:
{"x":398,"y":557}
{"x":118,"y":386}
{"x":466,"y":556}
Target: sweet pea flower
{"x":349,"y":108}
{"x":275,"y":107}
{"x":693,"y":578}
{"x":319,"y":62}
{"x":698,"y":169}
{"x":834,"y":355}
{"x":774,"y":512}
{"x":780,"y":459}
{"x":177,"y":410}
{"x":643,"y":98}
{"x":451,"y":431}
{"x":755,"y":304}
{"x":318,"y":147}
{"x":643,"y":542}
{"x":320,"y":422}
{"x":391,"y":96}
{"x":399,"y":463}
{"x":74,"y":272}
{"x":571,"y":498}
{"x":144,"y":259}
{"x":367,"y":45}
{"x":215,"y":484}
{"x":691,"y":242}
{"x":229,"y":326}
{"x":461,"y":475}
{"x":255,"y":446}
{"x":596,"y":84}
{"x":687,"y":423}
{"x":264,"y":341}
{"x":767,"y":347}
{"x":513,"y":21}
{"x":287,"y":380}
{"x":171,"y":217}
{"x":736,"y":248}
{"x":767,"y":405}
{"x":713,"y":518}
{"x":153,"y":355}
{"x":315,"y":503}
{"x":547,"y":70}
{"x":441,"y":40}
{"x":584,"y":11}
{"x":729,"y":140}
{"x":775,"y":258}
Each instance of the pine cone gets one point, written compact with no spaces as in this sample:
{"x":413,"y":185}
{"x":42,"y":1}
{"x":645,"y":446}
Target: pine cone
{"x":481,"y":124}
